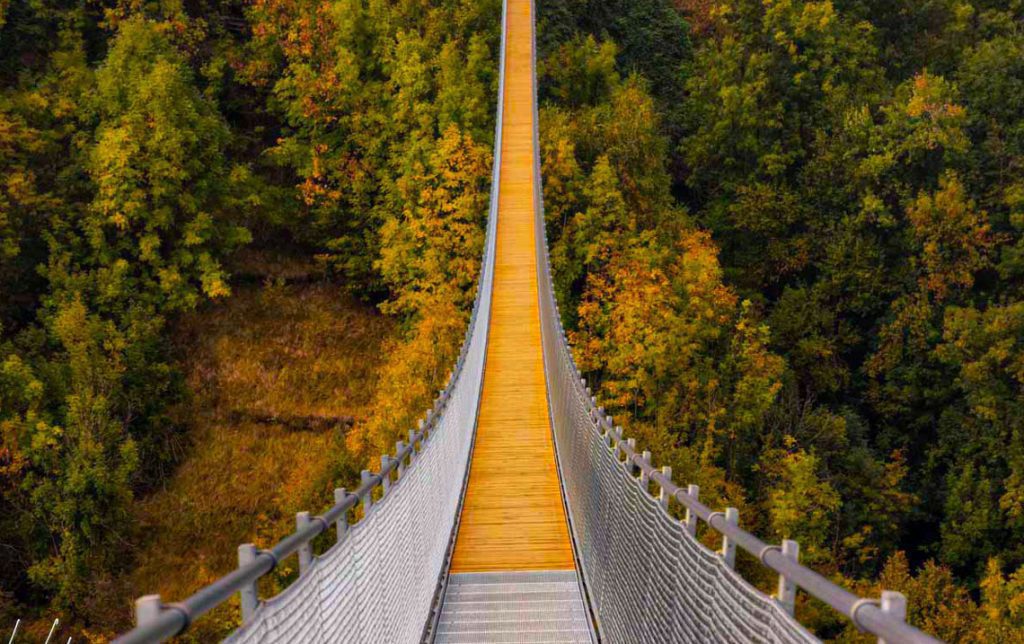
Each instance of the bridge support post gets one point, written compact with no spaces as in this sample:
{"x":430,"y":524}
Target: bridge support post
{"x":630,"y":465}
{"x":666,"y":471}
{"x":893,"y":604}
{"x":732,"y":516}
{"x":693,"y":491}
{"x":617,"y":435}
{"x":412,"y":445}
{"x":645,"y":480}
{"x":147,"y":608}
{"x":399,"y":446}
{"x":787,"y":589}
{"x":305,"y":550}
{"x":385,"y":476}
{"x":615,"y":442}
{"x":342,"y":523}
{"x":365,"y":476}
{"x":249,"y":599}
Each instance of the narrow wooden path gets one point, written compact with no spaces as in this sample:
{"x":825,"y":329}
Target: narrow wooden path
{"x":513,"y":517}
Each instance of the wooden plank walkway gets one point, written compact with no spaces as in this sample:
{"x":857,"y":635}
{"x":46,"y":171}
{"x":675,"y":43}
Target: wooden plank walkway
{"x":513,"y":518}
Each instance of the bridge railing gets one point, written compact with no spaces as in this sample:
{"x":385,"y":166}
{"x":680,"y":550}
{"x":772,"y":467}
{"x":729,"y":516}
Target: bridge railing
{"x":380,"y":579}
{"x":647,"y":576}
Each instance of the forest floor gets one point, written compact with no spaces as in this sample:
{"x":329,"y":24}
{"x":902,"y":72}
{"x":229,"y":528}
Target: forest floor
{"x":277,"y":373}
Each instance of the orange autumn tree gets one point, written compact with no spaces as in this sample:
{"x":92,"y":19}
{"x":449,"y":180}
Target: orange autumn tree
{"x":680,"y":358}
{"x":388,"y":112}
{"x":431,"y":259}
{"x":673,"y":351}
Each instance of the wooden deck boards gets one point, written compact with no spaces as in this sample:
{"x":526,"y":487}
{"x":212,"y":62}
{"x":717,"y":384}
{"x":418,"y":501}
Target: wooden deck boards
{"x":513,"y":518}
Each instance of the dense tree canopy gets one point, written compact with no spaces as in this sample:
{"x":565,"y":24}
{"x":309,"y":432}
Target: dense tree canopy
{"x":844,"y":368}
{"x":787,"y":236}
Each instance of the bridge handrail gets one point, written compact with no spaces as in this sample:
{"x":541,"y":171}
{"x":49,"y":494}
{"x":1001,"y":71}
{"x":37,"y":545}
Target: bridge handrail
{"x":867,"y":614}
{"x":157,"y":621}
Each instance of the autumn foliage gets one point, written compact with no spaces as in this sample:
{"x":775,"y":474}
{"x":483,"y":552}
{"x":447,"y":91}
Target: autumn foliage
{"x":787,"y":239}
{"x":792,"y":271}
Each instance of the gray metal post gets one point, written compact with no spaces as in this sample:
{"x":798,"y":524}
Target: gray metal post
{"x":732,"y":515}
{"x":305,"y":550}
{"x":249,"y":599}
{"x":365,"y":476}
{"x":691,"y":517}
{"x":645,"y":480}
{"x":787,"y":589}
{"x":342,"y":523}
{"x":385,"y":482}
{"x":666,"y":471}
{"x":399,"y":446}
{"x":893,"y":604}
{"x":147,"y":608}
{"x":53,"y":627}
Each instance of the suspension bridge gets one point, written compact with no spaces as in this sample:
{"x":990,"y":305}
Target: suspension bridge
{"x":518,"y":511}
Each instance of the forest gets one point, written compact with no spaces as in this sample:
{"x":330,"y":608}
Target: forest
{"x":787,"y":238}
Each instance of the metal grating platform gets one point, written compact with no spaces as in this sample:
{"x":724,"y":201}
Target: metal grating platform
{"x":538,"y":606}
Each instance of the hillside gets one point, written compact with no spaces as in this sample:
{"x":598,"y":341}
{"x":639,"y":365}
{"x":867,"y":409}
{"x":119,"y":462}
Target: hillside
{"x":276,"y":372}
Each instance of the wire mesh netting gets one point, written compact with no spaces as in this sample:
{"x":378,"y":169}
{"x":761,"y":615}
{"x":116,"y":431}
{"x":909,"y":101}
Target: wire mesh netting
{"x":647,"y":578}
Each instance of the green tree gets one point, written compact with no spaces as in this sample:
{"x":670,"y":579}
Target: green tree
{"x":156,"y":229}
{"x":801,"y":505}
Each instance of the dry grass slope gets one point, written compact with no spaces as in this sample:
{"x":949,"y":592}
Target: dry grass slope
{"x":299,"y":351}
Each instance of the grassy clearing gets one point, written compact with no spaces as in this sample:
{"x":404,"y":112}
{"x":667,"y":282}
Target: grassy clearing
{"x":303,"y":350}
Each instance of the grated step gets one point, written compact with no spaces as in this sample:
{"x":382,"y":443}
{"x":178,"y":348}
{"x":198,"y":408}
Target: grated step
{"x":513,"y":638}
{"x":524,"y":624}
{"x":514,"y":607}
